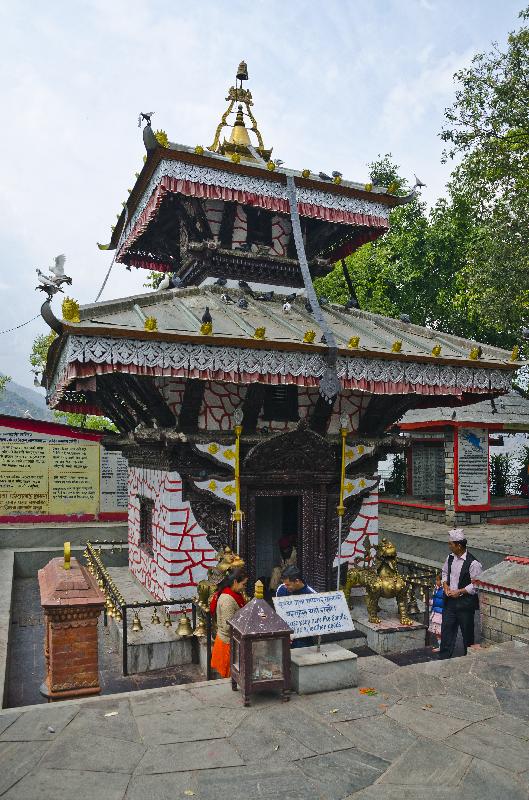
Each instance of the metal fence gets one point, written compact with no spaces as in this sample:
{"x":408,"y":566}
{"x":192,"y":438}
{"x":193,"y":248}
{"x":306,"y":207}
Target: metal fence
{"x":117,"y":607}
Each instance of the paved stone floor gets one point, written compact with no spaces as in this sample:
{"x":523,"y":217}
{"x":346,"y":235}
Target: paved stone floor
{"x":26,"y":655}
{"x":434,"y":731}
{"x":502,"y":539}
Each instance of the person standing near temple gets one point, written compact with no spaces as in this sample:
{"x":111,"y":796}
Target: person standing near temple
{"x":461,"y":599}
{"x":293,"y":583}
{"x":225,"y":603}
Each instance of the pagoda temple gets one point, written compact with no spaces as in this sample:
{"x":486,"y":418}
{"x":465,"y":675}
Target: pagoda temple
{"x":238,"y":393}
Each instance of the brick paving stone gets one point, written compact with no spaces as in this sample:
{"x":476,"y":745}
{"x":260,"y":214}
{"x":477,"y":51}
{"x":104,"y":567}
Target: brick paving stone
{"x":16,"y":759}
{"x":109,"y":718}
{"x":508,"y":677}
{"x":473,"y":688}
{"x":169,"y":786}
{"x":96,"y":753}
{"x":382,"y":736}
{"x":485,"y":781}
{"x":286,"y":782}
{"x":513,"y":701}
{"x":189,"y":726}
{"x":257,"y":742}
{"x":184,"y":756}
{"x":457,"y":707}
{"x":350,"y":703}
{"x":345,"y":771}
{"x":425,"y":722}
{"x":150,"y":702}
{"x":306,"y":728}
{"x":427,"y":764}
{"x":492,"y":745}
{"x":7,"y":719}
{"x":52,"y":784}
{"x":33,"y":725}
{"x":510,"y":724}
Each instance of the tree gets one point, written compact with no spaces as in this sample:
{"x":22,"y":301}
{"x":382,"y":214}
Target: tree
{"x":4,"y":380}
{"x":488,"y":128}
{"x":37,"y":359}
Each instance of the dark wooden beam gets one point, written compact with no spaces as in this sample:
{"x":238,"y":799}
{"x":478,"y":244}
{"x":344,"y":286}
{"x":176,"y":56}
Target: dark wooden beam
{"x":116,"y":410}
{"x":191,"y":405}
{"x":252,"y":405}
{"x":147,"y":390}
{"x":383,"y":411}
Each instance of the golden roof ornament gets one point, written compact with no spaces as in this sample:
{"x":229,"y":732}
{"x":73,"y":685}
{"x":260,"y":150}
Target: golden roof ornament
{"x":240,"y":142}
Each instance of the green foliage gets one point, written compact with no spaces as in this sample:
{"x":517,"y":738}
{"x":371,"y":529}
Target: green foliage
{"x":154,"y":279}
{"x":384,"y":172}
{"x":502,"y":469}
{"x":39,"y":350}
{"x":89,"y":421}
{"x":4,"y":380}
{"x":396,"y":484}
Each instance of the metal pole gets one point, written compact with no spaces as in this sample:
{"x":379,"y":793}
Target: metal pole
{"x":339,"y":553}
{"x":208,"y":646}
{"x":124,"y":641}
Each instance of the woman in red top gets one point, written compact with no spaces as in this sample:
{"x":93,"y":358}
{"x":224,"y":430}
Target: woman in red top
{"x":225,"y":603}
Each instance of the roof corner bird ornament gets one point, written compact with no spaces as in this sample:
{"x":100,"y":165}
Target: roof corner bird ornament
{"x":51,"y":284}
{"x":418,"y":183}
{"x":145,"y":116}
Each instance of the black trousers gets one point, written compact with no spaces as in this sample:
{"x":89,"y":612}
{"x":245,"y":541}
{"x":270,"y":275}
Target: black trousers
{"x":456,"y":614}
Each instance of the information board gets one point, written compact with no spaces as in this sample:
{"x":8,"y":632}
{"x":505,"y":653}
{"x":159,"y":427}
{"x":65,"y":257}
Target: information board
{"x":315,"y":614}
{"x":49,"y":474}
{"x":472,"y":467}
{"x":113,"y":481}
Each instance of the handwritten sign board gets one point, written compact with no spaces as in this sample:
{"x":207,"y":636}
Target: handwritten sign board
{"x":472,"y":467}
{"x":113,"y":481}
{"x":315,"y":614}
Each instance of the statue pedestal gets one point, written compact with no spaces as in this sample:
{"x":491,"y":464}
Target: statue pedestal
{"x":389,"y":636}
{"x":331,"y":669}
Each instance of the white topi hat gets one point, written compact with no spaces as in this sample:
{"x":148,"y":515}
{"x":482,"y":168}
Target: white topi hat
{"x":456,"y":535}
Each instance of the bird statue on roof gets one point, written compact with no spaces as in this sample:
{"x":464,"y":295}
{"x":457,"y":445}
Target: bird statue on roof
{"x":246,"y":288}
{"x":225,"y":298}
{"x":145,"y":116}
{"x":266,"y":296}
{"x":291,"y":297}
{"x":221,"y":282}
{"x":286,"y":307}
{"x":206,"y":316}
{"x":52,"y":283}
{"x":324,"y":176}
{"x":175,"y":282}
{"x":404,"y":318}
{"x":242,"y":303}
{"x":351,"y":303}
{"x":418,"y":183}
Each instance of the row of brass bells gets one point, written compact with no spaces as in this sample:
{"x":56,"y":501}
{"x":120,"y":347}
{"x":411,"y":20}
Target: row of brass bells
{"x":184,"y":626}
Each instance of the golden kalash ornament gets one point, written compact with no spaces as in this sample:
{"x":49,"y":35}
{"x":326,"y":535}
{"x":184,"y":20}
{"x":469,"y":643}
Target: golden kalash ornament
{"x":382,"y":580}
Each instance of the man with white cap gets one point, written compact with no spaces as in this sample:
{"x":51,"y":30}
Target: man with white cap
{"x":461,"y":599}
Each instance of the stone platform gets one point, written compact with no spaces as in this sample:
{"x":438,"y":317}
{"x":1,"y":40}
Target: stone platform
{"x":329,"y":669}
{"x":389,"y":636}
{"x":155,"y":647}
{"x":438,"y":730}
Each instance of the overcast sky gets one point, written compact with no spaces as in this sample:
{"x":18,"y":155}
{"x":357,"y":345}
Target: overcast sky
{"x":335,"y":83}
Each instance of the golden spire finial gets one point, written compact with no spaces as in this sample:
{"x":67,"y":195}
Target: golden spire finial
{"x":240,"y":142}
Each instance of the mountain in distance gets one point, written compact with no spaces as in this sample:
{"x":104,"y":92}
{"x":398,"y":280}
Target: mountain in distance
{"x":17,"y":399}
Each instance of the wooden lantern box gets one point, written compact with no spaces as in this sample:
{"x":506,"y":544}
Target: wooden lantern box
{"x":260,"y":651}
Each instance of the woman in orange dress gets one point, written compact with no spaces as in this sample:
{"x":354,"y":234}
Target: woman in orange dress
{"x":225,"y":603}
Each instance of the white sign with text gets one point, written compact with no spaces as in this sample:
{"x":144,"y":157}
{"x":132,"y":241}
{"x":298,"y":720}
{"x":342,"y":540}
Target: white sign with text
{"x":473,"y":467}
{"x":315,"y":614}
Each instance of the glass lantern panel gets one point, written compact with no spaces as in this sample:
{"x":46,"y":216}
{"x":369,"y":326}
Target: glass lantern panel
{"x":267,"y":660}
{"x":236,"y":654}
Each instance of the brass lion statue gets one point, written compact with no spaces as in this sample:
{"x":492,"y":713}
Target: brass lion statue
{"x":381,"y":580}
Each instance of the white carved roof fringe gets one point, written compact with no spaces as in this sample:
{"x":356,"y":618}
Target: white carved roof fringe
{"x":214,"y":177}
{"x":205,"y":357}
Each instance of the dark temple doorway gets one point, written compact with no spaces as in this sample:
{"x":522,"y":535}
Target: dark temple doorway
{"x":277,"y":531}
